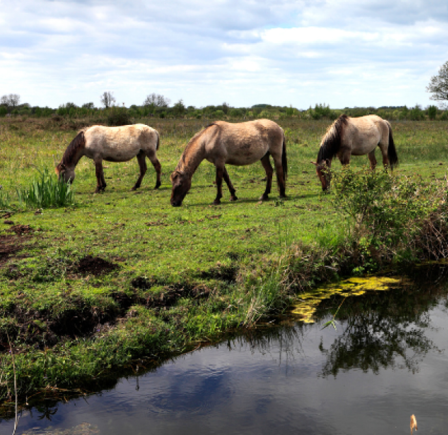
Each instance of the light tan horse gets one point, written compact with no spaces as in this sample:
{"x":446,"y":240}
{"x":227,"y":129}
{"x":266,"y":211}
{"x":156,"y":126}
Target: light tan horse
{"x":355,"y":136}
{"x":239,"y":144}
{"x":113,"y":144}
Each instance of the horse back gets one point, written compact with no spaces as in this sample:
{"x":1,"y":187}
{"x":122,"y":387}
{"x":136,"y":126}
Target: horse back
{"x":120,"y":143}
{"x":247,"y":142}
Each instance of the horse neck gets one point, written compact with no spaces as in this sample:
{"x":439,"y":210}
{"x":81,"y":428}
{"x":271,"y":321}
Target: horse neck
{"x":330,"y":145}
{"x":72,"y":160}
{"x":192,"y":157}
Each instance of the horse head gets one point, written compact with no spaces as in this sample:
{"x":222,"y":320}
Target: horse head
{"x":65,"y":173}
{"x":181,"y":185}
{"x":323,"y":173}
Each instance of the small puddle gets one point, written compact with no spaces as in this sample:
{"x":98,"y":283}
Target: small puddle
{"x":386,"y":360}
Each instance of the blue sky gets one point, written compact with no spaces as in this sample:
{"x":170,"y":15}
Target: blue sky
{"x":243,"y":52}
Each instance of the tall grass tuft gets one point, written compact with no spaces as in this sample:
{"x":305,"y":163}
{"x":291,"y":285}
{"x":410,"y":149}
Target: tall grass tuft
{"x":46,"y":191}
{"x":5,"y":202}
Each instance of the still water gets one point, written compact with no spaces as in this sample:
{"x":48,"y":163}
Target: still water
{"x":387,"y":359}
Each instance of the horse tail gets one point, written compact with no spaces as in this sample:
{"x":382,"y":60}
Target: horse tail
{"x":158,"y":141}
{"x":284,"y":159}
{"x":391,"y":151}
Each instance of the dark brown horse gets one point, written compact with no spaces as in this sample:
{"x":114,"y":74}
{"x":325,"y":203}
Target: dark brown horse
{"x":113,"y":144}
{"x":355,"y":136}
{"x":240,"y":144}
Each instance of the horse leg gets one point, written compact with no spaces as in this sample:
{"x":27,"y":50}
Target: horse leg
{"x":157,"y":166}
{"x":219,"y":175}
{"x":269,"y":171}
{"x":141,"y":158}
{"x":280,"y":177}
{"x":383,"y":149}
{"x":372,"y":160}
{"x":101,"y":182}
{"x":229,"y":185}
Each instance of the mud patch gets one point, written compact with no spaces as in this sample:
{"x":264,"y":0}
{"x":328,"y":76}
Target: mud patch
{"x":20,"y":230}
{"x":95,"y":266}
{"x":223,"y":273}
{"x":170,"y":294}
{"x":9,"y":245}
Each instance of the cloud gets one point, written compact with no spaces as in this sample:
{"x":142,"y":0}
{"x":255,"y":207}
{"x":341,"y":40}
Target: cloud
{"x":244,"y":52}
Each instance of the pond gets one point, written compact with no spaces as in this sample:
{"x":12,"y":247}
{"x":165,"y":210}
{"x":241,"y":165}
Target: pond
{"x":386,"y":360}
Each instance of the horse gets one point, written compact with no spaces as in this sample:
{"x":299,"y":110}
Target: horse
{"x":238,"y":144}
{"x":355,"y":136}
{"x":113,"y":144}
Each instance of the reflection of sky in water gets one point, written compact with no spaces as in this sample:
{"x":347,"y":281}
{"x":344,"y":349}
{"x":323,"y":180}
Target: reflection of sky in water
{"x":275,"y":386}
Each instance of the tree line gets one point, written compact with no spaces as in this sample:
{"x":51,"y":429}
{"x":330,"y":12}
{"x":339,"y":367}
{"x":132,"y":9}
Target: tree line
{"x":156,"y":105}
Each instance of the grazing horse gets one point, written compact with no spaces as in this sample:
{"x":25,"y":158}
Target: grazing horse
{"x":239,"y":144}
{"x":113,"y":144}
{"x":355,"y":136}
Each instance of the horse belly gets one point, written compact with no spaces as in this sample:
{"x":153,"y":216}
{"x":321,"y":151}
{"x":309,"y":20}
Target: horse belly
{"x":246,"y":155}
{"x":113,"y":152}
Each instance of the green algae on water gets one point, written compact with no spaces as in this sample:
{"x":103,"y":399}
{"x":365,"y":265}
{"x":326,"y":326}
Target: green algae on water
{"x":310,"y":301}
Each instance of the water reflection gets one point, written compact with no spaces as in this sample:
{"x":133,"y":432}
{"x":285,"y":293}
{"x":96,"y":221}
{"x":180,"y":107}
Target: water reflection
{"x":385,"y":360}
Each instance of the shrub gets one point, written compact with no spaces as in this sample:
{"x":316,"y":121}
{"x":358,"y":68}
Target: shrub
{"x":386,"y":212}
{"x":46,"y":191}
{"x":117,"y":116}
{"x":416,"y":114}
{"x":432,"y":112}
{"x":219,"y":114}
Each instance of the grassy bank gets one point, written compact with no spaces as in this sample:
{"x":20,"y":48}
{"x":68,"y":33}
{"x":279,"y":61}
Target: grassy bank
{"x":87,"y":288}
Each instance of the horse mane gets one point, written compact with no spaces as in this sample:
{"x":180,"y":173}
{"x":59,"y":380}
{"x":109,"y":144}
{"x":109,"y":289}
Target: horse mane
{"x":193,"y":141}
{"x":331,"y":142}
{"x":79,"y":142}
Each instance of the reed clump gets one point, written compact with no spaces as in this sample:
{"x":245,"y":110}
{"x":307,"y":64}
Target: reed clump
{"x":45,"y":191}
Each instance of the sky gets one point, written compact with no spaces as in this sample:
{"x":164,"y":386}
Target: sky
{"x":343,"y":53}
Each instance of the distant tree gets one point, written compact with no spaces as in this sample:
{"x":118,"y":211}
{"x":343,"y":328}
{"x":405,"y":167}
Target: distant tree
{"x":88,"y":106}
{"x":69,"y":106}
{"x":438,"y":86}
{"x":225,"y":107}
{"x":156,"y":100}
{"x":107,"y":99}
{"x":11,"y":101}
{"x":432,"y":112}
{"x":179,"y":108}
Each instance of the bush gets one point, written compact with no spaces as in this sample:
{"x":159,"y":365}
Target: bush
{"x":3,"y":111}
{"x":432,"y":112}
{"x":117,"y":116}
{"x":416,"y":114}
{"x":46,"y":191}
{"x":386,"y":212}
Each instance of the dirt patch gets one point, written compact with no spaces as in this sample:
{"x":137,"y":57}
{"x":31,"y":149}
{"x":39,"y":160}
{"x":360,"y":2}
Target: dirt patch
{"x":9,"y":245}
{"x":22,"y":229}
{"x":170,"y":295}
{"x":95,"y":266}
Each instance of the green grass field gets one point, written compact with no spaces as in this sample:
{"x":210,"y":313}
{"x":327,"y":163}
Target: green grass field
{"x":170,"y":275}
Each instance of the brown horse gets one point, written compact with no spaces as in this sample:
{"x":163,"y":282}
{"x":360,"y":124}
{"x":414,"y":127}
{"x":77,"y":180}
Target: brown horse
{"x":113,"y":144}
{"x":355,"y":136}
{"x":240,"y":144}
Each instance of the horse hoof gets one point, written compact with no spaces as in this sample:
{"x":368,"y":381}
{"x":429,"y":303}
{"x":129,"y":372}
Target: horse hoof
{"x":233,"y":198}
{"x":216,"y":202}
{"x":283,"y":196}
{"x":264,"y":197}
{"x":158,"y":184}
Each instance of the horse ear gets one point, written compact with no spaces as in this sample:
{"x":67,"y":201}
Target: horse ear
{"x":314,"y":163}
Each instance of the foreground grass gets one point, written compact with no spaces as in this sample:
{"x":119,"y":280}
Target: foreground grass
{"x":86,"y":289}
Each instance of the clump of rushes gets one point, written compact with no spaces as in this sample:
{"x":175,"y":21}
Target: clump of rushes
{"x":46,"y":191}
